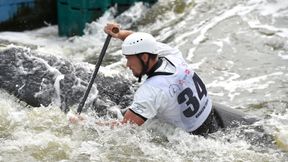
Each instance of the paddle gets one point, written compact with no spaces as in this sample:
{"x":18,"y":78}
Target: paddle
{"x":97,"y":66}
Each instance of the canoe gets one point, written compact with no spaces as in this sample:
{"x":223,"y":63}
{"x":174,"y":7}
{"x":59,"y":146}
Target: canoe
{"x":228,"y":117}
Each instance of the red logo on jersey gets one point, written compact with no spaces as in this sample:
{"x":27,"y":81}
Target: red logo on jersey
{"x":187,"y":71}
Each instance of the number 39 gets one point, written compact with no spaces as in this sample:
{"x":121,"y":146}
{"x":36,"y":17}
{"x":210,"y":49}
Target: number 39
{"x":188,"y":97}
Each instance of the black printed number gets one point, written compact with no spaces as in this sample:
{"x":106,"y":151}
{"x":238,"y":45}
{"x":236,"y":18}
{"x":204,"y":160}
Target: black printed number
{"x":191,"y":101}
{"x":200,"y":87}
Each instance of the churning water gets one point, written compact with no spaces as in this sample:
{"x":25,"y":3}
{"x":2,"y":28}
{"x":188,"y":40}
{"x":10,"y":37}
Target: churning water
{"x":238,"y":47}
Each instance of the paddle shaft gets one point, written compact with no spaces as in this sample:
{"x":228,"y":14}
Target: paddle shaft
{"x":97,"y":66}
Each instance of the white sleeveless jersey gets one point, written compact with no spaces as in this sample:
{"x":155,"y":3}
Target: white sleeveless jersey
{"x":180,"y":99}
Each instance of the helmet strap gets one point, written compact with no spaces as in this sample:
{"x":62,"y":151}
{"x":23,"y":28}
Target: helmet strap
{"x":139,"y":78}
{"x":144,"y":66}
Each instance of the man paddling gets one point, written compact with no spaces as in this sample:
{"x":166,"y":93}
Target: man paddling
{"x":172,"y":91}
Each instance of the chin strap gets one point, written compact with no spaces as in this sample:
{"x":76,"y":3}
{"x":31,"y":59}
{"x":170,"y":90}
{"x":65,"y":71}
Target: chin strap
{"x":144,"y":66}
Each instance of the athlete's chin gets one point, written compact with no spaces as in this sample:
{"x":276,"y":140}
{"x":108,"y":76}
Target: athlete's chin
{"x":136,"y":74}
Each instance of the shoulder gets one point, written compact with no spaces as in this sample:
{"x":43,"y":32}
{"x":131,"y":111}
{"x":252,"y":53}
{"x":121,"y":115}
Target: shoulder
{"x":147,"y":89}
{"x":150,"y":93}
{"x":166,"y":49}
{"x":147,"y":100}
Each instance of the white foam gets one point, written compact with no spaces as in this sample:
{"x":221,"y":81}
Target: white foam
{"x":220,"y":44}
{"x":237,"y":10}
{"x":283,"y":55}
{"x":57,"y":98}
{"x":266,"y":7}
{"x":233,"y":83}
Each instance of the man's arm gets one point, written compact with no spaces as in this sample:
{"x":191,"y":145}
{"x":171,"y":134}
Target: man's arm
{"x":122,"y":34}
{"x":131,"y":117}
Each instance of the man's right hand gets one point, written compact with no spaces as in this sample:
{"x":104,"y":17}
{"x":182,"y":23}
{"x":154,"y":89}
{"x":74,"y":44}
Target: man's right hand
{"x":109,"y":29}
{"x":74,"y":119}
{"x":121,"y":34}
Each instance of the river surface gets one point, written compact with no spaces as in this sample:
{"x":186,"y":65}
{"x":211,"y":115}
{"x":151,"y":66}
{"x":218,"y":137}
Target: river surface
{"x":238,"y":47}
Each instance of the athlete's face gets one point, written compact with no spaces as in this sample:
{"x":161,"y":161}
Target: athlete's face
{"x":134,"y":64}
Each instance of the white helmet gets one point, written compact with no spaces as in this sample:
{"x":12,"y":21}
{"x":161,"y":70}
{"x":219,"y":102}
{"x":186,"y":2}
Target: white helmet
{"x":139,"y":42}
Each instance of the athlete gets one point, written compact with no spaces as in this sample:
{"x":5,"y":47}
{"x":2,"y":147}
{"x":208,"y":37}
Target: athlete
{"x":172,"y":92}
